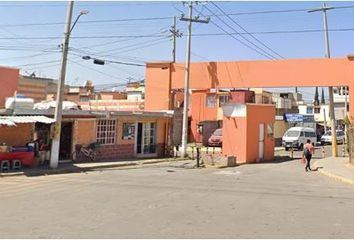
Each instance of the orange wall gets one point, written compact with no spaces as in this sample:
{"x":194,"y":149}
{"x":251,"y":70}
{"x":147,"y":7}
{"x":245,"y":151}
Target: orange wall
{"x":241,"y":134}
{"x":157,"y":87}
{"x":234,"y":135}
{"x":266,"y":73}
{"x":257,"y":114}
{"x":9,"y":78}
{"x":16,"y":136}
{"x":270,"y":73}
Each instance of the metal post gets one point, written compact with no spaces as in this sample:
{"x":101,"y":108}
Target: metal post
{"x":198,"y":156}
{"x":324,"y":10}
{"x":325,"y":119}
{"x":186,"y":86}
{"x":54,"y":160}
{"x":330,"y":89}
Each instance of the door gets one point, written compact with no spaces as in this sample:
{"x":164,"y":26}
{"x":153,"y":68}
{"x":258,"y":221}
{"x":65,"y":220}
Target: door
{"x":146,"y":139}
{"x":65,"y":141}
{"x":261,"y":142}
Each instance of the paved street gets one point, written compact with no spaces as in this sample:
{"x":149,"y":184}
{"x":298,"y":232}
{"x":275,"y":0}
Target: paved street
{"x":270,"y":200}
{"x":318,"y":152}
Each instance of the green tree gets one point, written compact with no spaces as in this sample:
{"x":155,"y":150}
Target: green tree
{"x":316,"y":100}
{"x":323,"y":101}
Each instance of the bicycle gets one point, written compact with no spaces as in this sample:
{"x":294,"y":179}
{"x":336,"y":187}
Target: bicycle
{"x":84,"y":153}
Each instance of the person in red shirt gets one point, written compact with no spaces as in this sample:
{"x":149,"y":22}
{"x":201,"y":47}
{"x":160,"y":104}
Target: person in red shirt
{"x":309,"y":150}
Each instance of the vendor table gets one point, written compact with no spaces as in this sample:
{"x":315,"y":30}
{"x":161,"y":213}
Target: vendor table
{"x":26,"y":158}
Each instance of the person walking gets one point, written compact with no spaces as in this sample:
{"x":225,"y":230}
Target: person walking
{"x":309,"y":150}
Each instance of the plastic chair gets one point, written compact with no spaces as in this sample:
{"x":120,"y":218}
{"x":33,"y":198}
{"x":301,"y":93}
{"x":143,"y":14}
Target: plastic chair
{"x":16,"y":164}
{"x":5,"y":165}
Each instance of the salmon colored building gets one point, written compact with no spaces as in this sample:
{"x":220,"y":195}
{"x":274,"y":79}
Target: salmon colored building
{"x":9,"y":78}
{"x":163,"y":78}
{"x":248,"y":132}
{"x":242,"y":133}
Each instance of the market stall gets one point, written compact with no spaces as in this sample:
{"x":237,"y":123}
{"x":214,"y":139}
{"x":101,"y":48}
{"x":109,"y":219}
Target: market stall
{"x":17,"y":138}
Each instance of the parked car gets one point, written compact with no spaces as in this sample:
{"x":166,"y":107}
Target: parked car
{"x":296,"y":137}
{"x":327,"y":137}
{"x":215,"y":139}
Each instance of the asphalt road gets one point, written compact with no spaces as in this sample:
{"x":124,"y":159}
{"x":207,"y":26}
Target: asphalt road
{"x":320,"y":152}
{"x":269,"y":200}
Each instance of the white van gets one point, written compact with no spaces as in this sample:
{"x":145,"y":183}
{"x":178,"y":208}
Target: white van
{"x":296,"y":137}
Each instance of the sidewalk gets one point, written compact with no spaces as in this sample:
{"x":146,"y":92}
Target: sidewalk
{"x":83,"y":167}
{"x":336,"y":168}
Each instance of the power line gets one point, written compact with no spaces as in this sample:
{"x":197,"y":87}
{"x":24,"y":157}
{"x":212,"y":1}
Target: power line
{"x":164,"y":18}
{"x":240,"y":41}
{"x":87,"y":22}
{"x":195,"y":34}
{"x":234,"y":21}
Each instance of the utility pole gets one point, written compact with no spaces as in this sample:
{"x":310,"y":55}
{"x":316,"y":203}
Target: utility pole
{"x":54,"y":158}
{"x":175,"y":34}
{"x":324,"y":10}
{"x":187,"y":73}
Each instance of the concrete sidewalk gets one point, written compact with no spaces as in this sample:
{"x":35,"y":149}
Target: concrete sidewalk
{"x":83,"y":167}
{"x":336,"y":168}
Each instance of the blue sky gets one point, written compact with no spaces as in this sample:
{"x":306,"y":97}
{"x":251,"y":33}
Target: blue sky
{"x":42,"y":56}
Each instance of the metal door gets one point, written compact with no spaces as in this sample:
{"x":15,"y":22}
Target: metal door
{"x":261,"y":142}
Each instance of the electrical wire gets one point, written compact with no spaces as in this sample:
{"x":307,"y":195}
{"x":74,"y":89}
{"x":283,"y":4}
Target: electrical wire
{"x":238,"y":40}
{"x":271,"y":56}
{"x":195,"y":34}
{"x":260,"y":42}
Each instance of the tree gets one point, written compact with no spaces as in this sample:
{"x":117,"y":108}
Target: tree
{"x":316,"y":100}
{"x":323,"y":101}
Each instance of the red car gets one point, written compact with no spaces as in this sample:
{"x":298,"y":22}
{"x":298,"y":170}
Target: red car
{"x":215,"y":139}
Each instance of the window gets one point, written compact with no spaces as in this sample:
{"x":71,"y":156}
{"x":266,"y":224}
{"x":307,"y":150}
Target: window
{"x":223,"y":100}
{"x":128,"y":131}
{"x":210,"y":101}
{"x":317,"y":110}
{"x":106,"y":131}
{"x":310,"y":134}
{"x":270,"y":130}
{"x":309,"y":110}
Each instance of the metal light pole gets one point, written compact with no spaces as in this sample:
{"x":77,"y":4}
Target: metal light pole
{"x":54,"y":158}
{"x":324,"y":10}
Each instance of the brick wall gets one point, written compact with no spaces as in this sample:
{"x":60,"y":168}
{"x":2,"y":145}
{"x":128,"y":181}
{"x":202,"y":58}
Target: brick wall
{"x":117,"y":152}
{"x":16,"y":136}
{"x":84,"y":132}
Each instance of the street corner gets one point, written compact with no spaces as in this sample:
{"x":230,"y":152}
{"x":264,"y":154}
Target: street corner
{"x":338,"y":170}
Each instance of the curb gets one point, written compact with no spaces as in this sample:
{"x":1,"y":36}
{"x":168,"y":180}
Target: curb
{"x":334,"y":176}
{"x":348,"y":165}
{"x":78,"y":169}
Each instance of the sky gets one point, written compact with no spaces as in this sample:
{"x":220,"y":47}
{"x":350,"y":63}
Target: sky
{"x":137,"y":32}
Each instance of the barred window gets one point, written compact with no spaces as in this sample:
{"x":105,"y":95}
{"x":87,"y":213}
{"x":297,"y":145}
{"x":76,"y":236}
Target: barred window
{"x":106,"y":131}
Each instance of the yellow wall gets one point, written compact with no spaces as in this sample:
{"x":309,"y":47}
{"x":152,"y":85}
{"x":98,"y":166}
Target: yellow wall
{"x":280,"y":127}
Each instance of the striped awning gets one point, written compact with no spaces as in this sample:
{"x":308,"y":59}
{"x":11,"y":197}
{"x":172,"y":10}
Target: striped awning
{"x":12,"y":120}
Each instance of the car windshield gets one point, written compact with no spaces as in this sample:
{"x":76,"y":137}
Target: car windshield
{"x":292,"y":133}
{"x":218,"y":132}
{"x":329,"y":133}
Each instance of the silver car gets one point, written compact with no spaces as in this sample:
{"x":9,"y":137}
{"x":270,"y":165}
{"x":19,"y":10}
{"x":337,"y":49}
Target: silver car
{"x":327,"y":137}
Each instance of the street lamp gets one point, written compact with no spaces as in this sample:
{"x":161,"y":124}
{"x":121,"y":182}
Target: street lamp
{"x":54,"y":158}
{"x":82,"y":12}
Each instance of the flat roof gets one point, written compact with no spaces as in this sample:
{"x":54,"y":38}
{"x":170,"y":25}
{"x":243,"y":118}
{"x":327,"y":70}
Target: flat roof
{"x":84,"y":114}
